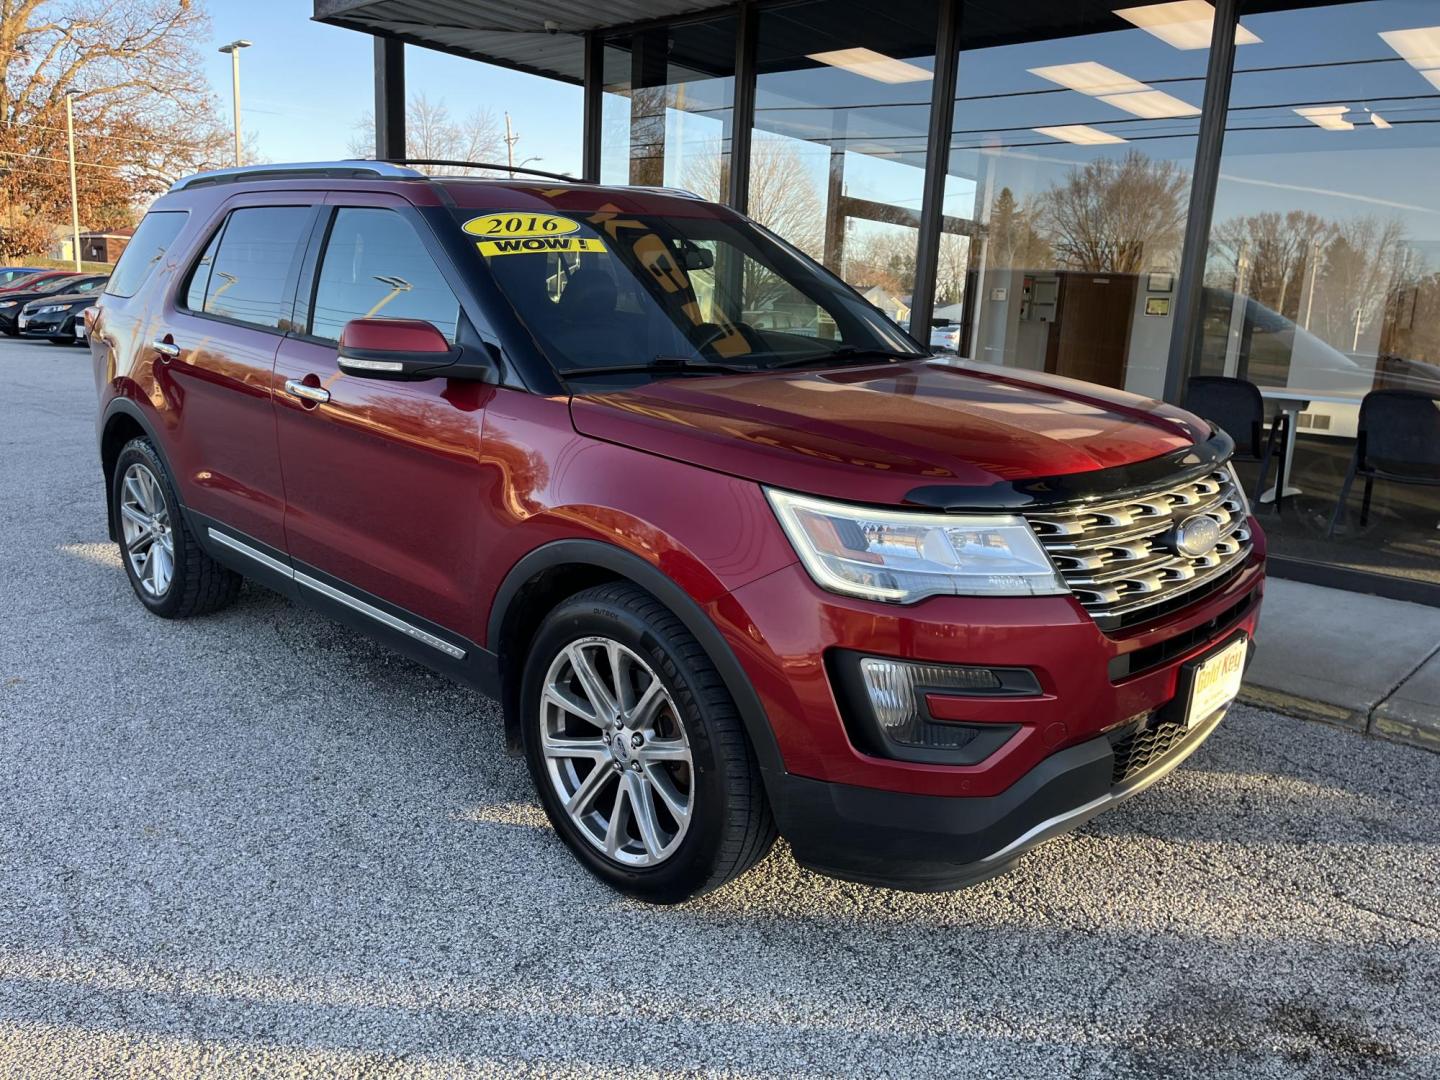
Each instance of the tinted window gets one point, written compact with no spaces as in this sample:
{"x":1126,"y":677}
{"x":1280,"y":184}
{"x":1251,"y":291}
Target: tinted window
{"x":376,"y":265}
{"x":145,"y":250}
{"x":249,"y":271}
{"x":200,"y":275}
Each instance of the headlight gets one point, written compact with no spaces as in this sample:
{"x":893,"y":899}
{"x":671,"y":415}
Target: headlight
{"x":8,"y":303}
{"x":49,"y":308}
{"x":1239,"y":488}
{"x":903,"y":557}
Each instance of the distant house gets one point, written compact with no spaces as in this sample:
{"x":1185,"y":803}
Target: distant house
{"x":886,"y":301}
{"x":104,"y":247}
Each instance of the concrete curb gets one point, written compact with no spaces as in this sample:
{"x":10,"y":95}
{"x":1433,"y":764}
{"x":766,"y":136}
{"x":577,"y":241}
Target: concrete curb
{"x":1360,"y":662}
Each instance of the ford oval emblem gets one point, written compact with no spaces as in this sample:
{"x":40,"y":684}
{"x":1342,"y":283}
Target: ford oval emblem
{"x":1197,"y":536}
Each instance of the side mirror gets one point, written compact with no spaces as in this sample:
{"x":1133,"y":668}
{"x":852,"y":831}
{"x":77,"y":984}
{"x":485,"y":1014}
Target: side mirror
{"x":394,"y":349}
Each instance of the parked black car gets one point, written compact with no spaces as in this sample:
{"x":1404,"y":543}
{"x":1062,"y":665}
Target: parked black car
{"x":12,"y":302}
{"x":56,"y":317}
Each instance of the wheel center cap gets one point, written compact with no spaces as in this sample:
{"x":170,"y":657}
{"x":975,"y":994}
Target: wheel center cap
{"x":620,"y":746}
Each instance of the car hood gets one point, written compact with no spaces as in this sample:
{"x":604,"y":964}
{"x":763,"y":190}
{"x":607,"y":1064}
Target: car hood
{"x":881,"y":433}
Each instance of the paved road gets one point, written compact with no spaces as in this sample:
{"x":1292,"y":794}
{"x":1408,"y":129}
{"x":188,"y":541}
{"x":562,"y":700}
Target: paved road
{"x":254,"y":845}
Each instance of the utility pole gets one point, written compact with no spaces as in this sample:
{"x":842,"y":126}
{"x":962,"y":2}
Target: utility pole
{"x":511,"y":138}
{"x":234,"y":50}
{"x":74,"y":197}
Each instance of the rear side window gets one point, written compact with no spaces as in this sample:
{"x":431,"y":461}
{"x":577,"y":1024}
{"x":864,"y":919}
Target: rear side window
{"x":245,"y":270}
{"x":145,"y":250}
{"x":376,"y":265}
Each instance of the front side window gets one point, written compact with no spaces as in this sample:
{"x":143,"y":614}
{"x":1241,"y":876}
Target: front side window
{"x":245,"y":269}
{"x":146,"y":248}
{"x":375,"y":266}
{"x":659,"y":293}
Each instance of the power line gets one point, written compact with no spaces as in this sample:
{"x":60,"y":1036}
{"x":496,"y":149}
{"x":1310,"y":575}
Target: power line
{"x":115,"y":138}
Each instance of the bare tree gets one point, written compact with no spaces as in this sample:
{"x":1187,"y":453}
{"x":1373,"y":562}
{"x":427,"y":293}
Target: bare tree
{"x":783,"y":194}
{"x":143,"y":110}
{"x":431,"y":132}
{"x":1117,"y":216}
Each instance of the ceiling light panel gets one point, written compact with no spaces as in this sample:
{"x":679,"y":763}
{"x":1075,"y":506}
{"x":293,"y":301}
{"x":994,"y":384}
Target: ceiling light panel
{"x":1419,"y":47}
{"x":1090,"y":78}
{"x":1080,"y":135}
{"x":1151,"y":104}
{"x":1329,"y":117}
{"x":873,"y":65}
{"x":1183,"y":24}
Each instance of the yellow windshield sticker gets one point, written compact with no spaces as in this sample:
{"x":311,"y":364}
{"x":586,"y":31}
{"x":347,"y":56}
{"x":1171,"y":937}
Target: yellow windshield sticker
{"x":528,"y":245}
{"x":515,"y":224}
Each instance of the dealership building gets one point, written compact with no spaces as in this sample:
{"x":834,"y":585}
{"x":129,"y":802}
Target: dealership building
{"x":1129,"y":193}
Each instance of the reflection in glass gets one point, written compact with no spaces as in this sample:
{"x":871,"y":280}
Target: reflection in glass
{"x":1069,"y":186}
{"x":666,"y":107}
{"x":1322,"y":280}
{"x":838,"y":149}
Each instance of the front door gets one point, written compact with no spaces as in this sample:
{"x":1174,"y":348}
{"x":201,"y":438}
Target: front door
{"x":381,"y":481}
{"x":1091,"y":332}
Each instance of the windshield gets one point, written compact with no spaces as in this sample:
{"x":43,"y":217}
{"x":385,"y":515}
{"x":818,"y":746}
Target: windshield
{"x":659,"y":295}
{"x":25,"y":280}
{"x":58,"y":284}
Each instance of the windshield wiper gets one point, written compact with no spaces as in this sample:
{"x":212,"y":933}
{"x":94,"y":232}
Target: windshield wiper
{"x":667,"y":365}
{"x":845,"y":352}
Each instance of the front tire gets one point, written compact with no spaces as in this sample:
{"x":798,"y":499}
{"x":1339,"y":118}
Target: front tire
{"x":636,"y":749}
{"x":167,"y":568}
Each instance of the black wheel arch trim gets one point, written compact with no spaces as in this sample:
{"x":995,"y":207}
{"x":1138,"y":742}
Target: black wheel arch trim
{"x":124,"y":406}
{"x":616,"y":560}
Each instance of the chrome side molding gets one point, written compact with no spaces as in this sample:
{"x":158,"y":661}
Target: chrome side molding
{"x":394,"y":622}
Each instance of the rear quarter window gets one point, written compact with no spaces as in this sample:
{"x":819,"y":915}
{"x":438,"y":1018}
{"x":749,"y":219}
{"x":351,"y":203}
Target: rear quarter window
{"x":145,"y":250}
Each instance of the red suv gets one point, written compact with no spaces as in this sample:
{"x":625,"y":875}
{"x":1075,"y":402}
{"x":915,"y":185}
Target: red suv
{"x":735,"y":554}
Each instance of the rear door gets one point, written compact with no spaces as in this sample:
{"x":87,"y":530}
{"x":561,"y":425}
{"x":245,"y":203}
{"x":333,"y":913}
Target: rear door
{"x":216,"y":348}
{"x":380,"y":478}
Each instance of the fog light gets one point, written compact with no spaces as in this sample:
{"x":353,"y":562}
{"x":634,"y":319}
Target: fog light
{"x":895,"y":689}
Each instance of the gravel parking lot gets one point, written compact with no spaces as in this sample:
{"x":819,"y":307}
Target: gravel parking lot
{"x":253,"y":844}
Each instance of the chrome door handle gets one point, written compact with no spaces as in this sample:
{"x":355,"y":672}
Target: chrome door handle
{"x":316,"y":394}
{"x":165,"y":349}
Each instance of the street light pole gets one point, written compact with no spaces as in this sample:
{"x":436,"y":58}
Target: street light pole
{"x":234,"y":50}
{"x":74,"y":197}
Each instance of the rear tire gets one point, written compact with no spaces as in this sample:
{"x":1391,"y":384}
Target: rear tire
{"x":170,"y":573}
{"x":665,"y":800}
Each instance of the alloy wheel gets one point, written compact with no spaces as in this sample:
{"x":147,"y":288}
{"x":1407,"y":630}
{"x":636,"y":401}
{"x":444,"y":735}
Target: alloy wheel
{"x":616,"y":752}
{"x":145,"y":521}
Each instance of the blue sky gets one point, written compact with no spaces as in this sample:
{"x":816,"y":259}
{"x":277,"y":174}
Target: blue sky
{"x":304,"y":85}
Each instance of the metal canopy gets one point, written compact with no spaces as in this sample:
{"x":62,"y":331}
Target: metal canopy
{"x":511,"y":33}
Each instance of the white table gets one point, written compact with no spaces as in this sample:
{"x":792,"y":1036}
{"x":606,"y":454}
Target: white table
{"x":1292,"y":401}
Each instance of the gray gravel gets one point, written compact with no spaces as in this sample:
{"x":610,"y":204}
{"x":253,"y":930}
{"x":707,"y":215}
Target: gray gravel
{"x":252,"y":845}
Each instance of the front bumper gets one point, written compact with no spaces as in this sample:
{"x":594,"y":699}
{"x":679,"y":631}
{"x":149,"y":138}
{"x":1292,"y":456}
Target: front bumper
{"x":1102,"y":727}
{"x":930,"y":843}
{"x":55,"y":324}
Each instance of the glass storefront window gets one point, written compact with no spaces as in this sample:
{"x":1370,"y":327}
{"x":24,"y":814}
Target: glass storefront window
{"x":1069,"y":185}
{"x":1322,"y":281}
{"x":667,"y":106}
{"x":842,"y":104}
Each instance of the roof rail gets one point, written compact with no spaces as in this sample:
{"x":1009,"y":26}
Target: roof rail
{"x":478,"y":165}
{"x":678,"y":192}
{"x":356,"y":170}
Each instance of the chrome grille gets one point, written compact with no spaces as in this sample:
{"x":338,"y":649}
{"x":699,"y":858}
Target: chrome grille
{"x":1119,"y":559}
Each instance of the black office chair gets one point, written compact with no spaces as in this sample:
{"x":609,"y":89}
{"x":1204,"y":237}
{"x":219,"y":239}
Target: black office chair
{"x":1237,"y":407}
{"x":1398,"y":438}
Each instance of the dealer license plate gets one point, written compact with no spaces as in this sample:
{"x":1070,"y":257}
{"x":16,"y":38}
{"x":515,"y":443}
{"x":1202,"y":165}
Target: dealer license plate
{"x":22,"y":322}
{"x":1216,"y":682}
{"x":81,"y":330}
